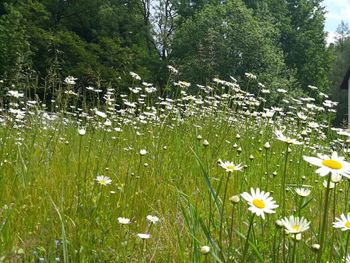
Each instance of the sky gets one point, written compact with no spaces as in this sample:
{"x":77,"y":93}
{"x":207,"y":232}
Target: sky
{"x":337,"y":10}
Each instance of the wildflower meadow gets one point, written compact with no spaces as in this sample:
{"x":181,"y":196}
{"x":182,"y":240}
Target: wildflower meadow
{"x":207,"y":173}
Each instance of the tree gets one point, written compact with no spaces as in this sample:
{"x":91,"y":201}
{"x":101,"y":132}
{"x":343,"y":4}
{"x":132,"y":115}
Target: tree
{"x":302,"y":37}
{"x":341,"y":53}
{"x":304,"y":43}
{"x":227,"y":40}
{"x":14,"y":46}
{"x":91,"y":39}
{"x":343,"y":32}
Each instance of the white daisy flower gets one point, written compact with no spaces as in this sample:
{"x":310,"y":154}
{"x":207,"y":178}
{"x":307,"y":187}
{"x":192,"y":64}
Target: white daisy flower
{"x":286,"y":139}
{"x":144,"y":236}
{"x":103,"y":180}
{"x":267,"y":145}
{"x":82,"y":131}
{"x":70,"y":80}
{"x":153,"y":219}
{"x":184,"y":84}
{"x":336,"y":178}
{"x":301,"y":116}
{"x":250,"y":75}
{"x":295,"y":225}
{"x":297,"y":237}
{"x":331,"y":184}
{"x":260,"y":202}
{"x":334,"y":164}
{"x":312,"y":87}
{"x":303,"y":192}
{"x":172,"y":69}
{"x":15,"y":94}
{"x":343,"y":222}
{"x":205,"y":250}
{"x":143,"y":152}
{"x":134,"y":75}
{"x":100,"y":114}
{"x":124,"y":220}
{"x":315,"y":247}
{"x":229,"y":166}
{"x":281,"y":91}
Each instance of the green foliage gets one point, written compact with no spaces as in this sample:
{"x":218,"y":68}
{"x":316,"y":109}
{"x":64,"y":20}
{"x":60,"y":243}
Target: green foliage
{"x":341,"y":53}
{"x":305,"y":45}
{"x":302,"y":37}
{"x":227,"y":40}
{"x":280,"y":41}
{"x":53,"y":207}
{"x":14,"y":47}
{"x":90,"y":39}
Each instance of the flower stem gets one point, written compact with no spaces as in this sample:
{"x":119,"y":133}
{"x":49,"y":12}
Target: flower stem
{"x":246,"y":245}
{"x":284,"y":182}
{"x":284,"y":197}
{"x":294,"y":248}
{"x":223,"y":209}
{"x":267,"y":169}
{"x":274,"y":246}
{"x":346,"y":246}
{"x":324,"y":221}
{"x":231,"y":228}
{"x":136,"y":183}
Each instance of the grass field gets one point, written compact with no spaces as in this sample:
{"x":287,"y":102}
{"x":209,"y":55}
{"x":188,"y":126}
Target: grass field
{"x":146,"y":180}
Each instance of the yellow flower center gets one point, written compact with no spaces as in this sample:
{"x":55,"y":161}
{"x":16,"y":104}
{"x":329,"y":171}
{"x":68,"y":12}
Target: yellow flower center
{"x":230,"y":167}
{"x":296,"y":228}
{"x":333,"y":164}
{"x":347,"y":224}
{"x":258,"y":203}
{"x":103,"y":182}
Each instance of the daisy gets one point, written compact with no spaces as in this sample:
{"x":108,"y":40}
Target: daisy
{"x":295,"y":225}
{"x":267,"y":145}
{"x":250,"y":75}
{"x":259,"y":202}
{"x":143,"y":152}
{"x":336,"y":178}
{"x":134,"y":75}
{"x":301,"y":116}
{"x":82,"y":131}
{"x":123,"y":220}
{"x":15,"y":94}
{"x":229,"y":166}
{"x":303,"y":192}
{"x":144,"y":236}
{"x":153,"y":219}
{"x":172,"y":69}
{"x":70,"y":80}
{"x":330,"y":186}
{"x":205,"y":250}
{"x":343,"y":222}
{"x":100,"y":114}
{"x":183,"y":84}
{"x":334,"y":164}
{"x":297,"y":237}
{"x":103,"y":180}
{"x":286,"y":139}
{"x":315,"y":247}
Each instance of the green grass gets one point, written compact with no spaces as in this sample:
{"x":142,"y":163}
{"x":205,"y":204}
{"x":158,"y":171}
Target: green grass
{"x":53,"y":207}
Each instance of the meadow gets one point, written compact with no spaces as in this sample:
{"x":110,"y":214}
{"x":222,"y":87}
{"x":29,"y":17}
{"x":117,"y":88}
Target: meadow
{"x":217,"y":176}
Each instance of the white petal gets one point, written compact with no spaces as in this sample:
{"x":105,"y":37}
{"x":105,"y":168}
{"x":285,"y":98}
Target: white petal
{"x":313,"y":160}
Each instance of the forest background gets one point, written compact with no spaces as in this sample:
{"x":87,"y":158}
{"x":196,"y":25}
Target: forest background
{"x":100,"y":42}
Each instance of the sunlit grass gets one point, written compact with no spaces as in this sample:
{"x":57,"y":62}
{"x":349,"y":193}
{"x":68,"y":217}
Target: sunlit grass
{"x":164,"y":164}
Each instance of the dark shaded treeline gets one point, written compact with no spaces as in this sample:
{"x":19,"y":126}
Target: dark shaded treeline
{"x":101,"y":41}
